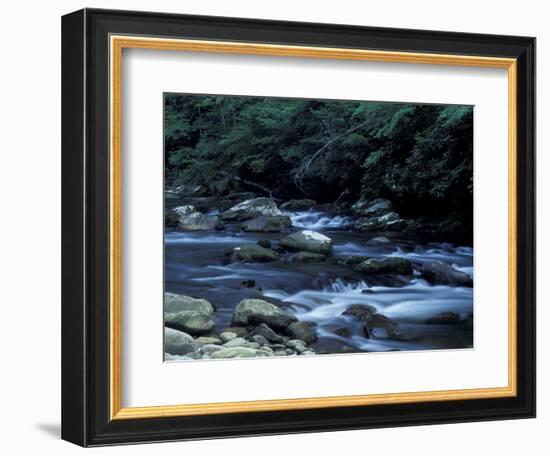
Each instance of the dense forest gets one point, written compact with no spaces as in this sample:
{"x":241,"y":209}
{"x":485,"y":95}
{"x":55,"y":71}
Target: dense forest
{"x":418,"y":156}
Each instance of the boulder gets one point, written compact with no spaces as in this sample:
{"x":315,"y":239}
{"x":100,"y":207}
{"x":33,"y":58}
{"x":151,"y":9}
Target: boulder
{"x":353,"y":259}
{"x":379,"y":326}
{"x":264,"y":243}
{"x":235,"y":342}
{"x":196,"y":221}
{"x":259,"y":339}
{"x":257,"y":311}
{"x":250,"y":209}
{"x":372,"y":208}
{"x":184,"y":210}
{"x":177,"y":342}
{"x":439,"y":273}
{"x":209,"y":349}
{"x":342,"y":332}
{"x":388,"y":265}
{"x":267,"y":224}
{"x":444,"y":318}
{"x":306,"y":257}
{"x":194,"y":323}
{"x":297,"y":345}
{"x":303,"y":330}
{"x":387,"y":222}
{"x":360,"y":311}
{"x":309,"y":241}
{"x":174,"y":303}
{"x":298,"y":204}
{"x":266,"y":332}
{"x":252,"y":253}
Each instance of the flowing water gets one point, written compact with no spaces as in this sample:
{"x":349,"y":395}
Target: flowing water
{"x":195,"y":265}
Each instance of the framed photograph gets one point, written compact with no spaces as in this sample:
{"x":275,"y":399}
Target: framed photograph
{"x":278,"y":227}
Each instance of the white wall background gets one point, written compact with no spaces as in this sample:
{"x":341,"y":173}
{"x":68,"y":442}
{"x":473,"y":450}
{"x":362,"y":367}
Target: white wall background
{"x":30,"y":229}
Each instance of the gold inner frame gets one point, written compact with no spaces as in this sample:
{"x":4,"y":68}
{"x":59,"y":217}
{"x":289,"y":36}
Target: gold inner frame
{"x":117,"y":44}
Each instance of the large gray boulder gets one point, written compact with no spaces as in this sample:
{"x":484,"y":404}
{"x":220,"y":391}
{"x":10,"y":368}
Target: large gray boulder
{"x":387,"y":222}
{"x":299,"y":204}
{"x":307,"y":240}
{"x":253,"y":253}
{"x":184,"y":210}
{"x":184,"y":313}
{"x":250,"y":209}
{"x":174,"y":303}
{"x":388,"y":265}
{"x":439,"y":273}
{"x":267,"y":224}
{"x":257,"y":311}
{"x":196,"y":221}
{"x":177,"y":342}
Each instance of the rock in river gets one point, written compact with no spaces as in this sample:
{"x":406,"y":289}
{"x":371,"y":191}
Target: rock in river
{"x":309,"y":241}
{"x":377,"y":207}
{"x":184,"y":210}
{"x":360,"y":311}
{"x":303,"y":330}
{"x":306,"y":257}
{"x":388,"y":265}
{"x":444,"y":318}
{"x":191,"y":322}
{"x":439,"y":273}
{"x":250,"y":209}
{"x":257,"y":311}
{"x":386,"y":222}
{"x":267,"y":224}
{"x":196,"y":221}
{"x":250,"y":253}
{"x":266,"y":332}
{"x":234,"y":352}
{"x":379,"y":326}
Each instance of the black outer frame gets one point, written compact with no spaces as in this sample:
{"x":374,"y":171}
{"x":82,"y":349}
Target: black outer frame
{"x":85,"y":227}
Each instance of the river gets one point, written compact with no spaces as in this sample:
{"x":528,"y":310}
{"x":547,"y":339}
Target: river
{"x":195,"y":265}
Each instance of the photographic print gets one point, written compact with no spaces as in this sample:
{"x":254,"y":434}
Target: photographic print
{"x":306,"y":227}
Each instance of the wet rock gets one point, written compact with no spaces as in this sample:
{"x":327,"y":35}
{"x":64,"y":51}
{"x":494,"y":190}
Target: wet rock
{"x":309,"y":241}
{"x":379,"y":326}
{"x":343,"y":332}
{"x":264,"y":243}
{"x":257,"y":311}
{"x":251,"y":209}
{"x":259,"y":339}
{"x":299,"y":204}
{"x":184,"y":210}
{"x":234,"y":352}
{"x":305,"y":331}
{"x":194,"y":323}
{"x":196,"y":221}
{"x":203,"y":340}
{"x":374,"y":208}
{"x":387,"y":222}
{"x":174,"y":303}
{"x":267,"y":224}
{"x":238,"y":331}
{"x":444,"y":318}
{"x":227,"y":336}
{"x":360,"y":311}
{"x":177,"y":342}
{"x":306,"y":257}
{"x":209,"y":349}
{"x":353,"y":259}
{"x":236,"y":342}
{"x":439,"y":273}
{"x":367,"y":291}
{"x":248,"y":283}
{"x":297,"y":345}
{"x":266,"y":332}
{"x":388,"y":265}
{"x":252,"y":253}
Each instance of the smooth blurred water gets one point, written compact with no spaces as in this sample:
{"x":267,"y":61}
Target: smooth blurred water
{"x":195,"y":264}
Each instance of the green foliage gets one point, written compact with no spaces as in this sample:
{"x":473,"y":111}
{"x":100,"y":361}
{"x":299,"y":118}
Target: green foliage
{"x":419,"y":156}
